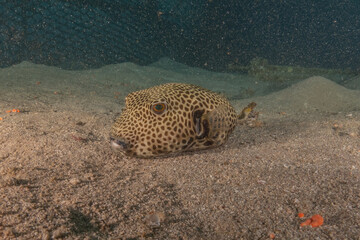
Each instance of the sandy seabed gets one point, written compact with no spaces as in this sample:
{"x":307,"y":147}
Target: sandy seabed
{"x":59,"y":178}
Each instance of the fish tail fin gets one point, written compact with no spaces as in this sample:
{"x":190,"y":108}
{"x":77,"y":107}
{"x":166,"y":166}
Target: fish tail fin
{"x":247,"y":112}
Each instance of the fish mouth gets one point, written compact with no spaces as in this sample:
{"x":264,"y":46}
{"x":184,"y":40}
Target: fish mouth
{"x":118,"y":144}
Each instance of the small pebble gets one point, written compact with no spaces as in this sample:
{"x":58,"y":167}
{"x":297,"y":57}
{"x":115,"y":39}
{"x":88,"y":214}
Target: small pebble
{"x":352,"y":134}
{"x":89,"y":176}
{"x":45,"y":235}
{"x":74,"y":181}
{"x":154,"y":219}
{"x":60,"y":232}
{"x":9,"y":233}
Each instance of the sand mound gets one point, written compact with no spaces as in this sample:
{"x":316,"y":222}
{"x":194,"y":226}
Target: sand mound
{"x":353,"y":83}
{"x":312,"y":94}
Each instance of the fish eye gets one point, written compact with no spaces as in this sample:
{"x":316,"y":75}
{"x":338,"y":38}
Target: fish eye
{"x":159,"y":108}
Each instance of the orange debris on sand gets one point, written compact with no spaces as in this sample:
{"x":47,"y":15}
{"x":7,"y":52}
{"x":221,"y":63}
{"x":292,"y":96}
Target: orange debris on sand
{"x":315,"y":221}
{"x":272,"y":235}
{"x":301,"y":215}
{"x":1,"y":118}
{"x":306,"y":223}
{"x":13,"y":110}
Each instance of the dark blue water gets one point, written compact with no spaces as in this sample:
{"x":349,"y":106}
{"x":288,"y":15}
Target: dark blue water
{"x":307,"y":33}
{"x":205,"y":33}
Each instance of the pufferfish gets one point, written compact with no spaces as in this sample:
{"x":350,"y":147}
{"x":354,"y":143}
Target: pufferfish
{"x":172,"y":118}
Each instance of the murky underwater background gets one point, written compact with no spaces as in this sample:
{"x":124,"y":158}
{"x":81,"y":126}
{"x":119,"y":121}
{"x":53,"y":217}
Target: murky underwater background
{"x":276,"y":43}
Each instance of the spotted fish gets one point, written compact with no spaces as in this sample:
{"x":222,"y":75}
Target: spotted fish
{"x":171,"y":118}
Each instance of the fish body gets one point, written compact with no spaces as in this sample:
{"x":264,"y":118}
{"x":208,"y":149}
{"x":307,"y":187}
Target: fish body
{"x":171,"y":118}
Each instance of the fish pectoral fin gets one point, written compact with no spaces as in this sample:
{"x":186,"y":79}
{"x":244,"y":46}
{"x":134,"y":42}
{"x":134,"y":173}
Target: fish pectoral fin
{"x":211,"y":124}
{"x":198,"y":127}
{"x":200,"y":123}
{"x":217,"y":122}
